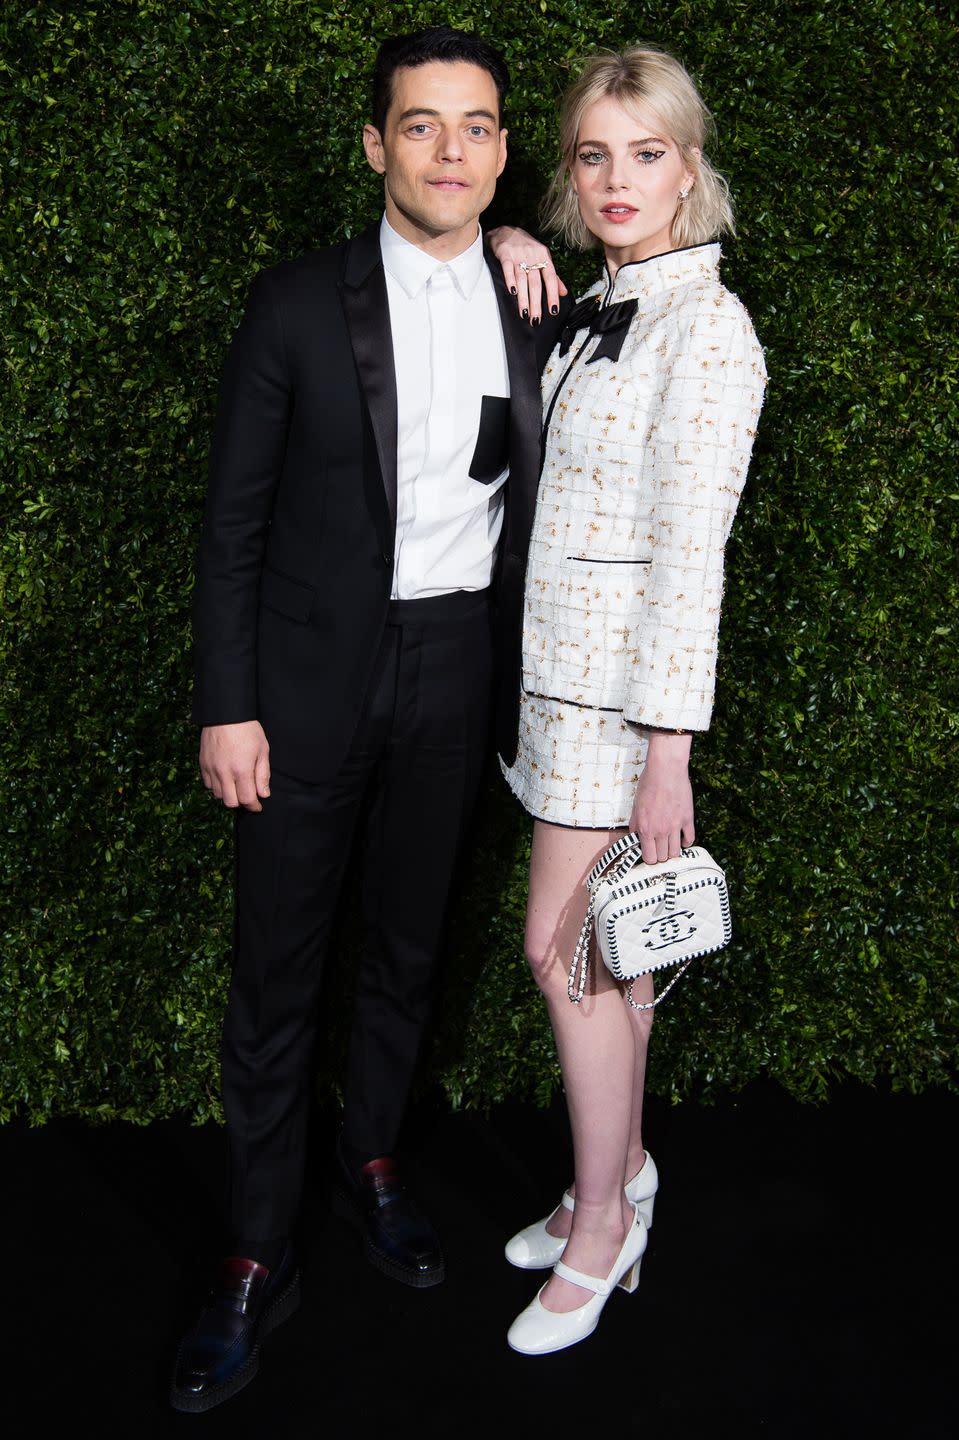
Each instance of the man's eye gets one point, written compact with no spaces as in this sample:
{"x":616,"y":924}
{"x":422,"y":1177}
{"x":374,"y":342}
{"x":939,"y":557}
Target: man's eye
{"x":419,"y":129}
{"x":478,"y":131}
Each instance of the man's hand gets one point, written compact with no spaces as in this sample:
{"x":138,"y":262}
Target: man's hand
{"x":514,"y":248}
{"x":662,"y":814}
{"x":235,"y":763}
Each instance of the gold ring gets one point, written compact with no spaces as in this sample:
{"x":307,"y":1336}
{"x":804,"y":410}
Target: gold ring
{"x":533,"y":265}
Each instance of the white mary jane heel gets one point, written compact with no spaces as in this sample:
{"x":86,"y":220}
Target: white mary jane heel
{"x":538,"y":1331}
{"x":536,"y":1249}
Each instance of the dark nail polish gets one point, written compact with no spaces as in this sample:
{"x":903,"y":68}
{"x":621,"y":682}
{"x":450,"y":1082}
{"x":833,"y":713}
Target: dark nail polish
{"x":525,"y":314}
{"x":554,"y":309}
{"x":538,"y":320}
{"x":512,"y":289}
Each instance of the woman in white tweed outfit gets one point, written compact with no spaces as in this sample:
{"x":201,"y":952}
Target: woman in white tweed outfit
{"x":651,"y":401}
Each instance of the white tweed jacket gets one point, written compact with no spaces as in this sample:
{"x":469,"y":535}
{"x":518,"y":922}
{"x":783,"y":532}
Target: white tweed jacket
{"x":645,"y":460}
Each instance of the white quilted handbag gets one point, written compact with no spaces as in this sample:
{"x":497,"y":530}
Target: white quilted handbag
{"x":649,"y":917}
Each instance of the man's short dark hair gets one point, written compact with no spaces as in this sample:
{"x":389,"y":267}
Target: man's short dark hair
{"x":422,"y":47}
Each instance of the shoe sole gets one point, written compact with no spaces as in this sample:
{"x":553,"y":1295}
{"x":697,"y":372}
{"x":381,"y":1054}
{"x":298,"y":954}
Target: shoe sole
{"x":345,"y":1208}
{"x":276,"y":1312}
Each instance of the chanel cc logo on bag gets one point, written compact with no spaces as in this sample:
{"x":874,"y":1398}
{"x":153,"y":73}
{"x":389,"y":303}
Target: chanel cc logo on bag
{"x":669,"y":929}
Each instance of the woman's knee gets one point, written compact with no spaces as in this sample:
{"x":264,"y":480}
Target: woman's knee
{"x":543,"y":958}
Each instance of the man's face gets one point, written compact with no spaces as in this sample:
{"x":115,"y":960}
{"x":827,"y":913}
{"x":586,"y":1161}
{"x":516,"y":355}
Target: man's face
{"x":440,"y":154}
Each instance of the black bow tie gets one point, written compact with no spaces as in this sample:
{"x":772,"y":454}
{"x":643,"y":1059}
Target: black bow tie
{"x":611,"y":322}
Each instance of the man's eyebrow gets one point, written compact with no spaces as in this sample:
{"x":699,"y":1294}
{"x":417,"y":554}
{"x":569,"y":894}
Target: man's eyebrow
{"x":467,"y":114}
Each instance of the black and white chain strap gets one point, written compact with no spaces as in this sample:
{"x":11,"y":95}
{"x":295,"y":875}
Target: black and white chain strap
{"x":613,"y":865}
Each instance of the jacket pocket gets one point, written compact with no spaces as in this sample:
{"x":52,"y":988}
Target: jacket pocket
{"x":288,"y":597}
{"x":607,"y":560}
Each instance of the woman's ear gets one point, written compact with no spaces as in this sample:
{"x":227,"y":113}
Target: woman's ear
{"x":691,"y":175}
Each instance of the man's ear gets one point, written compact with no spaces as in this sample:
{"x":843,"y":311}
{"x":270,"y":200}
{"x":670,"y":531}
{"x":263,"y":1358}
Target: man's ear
{"x":373,"y":146}
{"x":502,"y":153}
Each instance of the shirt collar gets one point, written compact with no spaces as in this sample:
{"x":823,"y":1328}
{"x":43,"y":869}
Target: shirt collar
{"x":411,"y":267}
{"x":644,"y":279}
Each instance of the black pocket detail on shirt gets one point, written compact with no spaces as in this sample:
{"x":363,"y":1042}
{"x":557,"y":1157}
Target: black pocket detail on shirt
{"x":492,"y":442}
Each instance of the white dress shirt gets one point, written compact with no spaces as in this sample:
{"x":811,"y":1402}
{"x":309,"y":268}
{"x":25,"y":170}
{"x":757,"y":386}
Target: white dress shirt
{"x":448,"y":352}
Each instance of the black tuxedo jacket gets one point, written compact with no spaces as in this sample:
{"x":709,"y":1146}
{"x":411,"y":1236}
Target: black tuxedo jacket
{"x":296,"y":556}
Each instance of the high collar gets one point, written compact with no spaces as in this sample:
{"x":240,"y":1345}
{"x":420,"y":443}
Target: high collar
{"x":644,"y":279}
{"x":411,"y":267}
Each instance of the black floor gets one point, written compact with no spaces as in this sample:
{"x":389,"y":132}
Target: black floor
{"x":800,"y":1280}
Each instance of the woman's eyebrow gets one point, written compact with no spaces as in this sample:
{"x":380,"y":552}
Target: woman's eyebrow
{"x":649,"y":140}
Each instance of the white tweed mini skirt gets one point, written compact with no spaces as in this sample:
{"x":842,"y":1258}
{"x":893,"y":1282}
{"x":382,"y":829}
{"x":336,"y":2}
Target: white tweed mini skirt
{"x":576,"y":766}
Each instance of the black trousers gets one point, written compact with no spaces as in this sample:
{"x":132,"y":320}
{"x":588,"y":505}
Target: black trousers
{"x":412,"y":773}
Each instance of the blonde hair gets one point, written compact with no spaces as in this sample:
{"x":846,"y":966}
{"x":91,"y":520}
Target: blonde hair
{"x":654,"y":80}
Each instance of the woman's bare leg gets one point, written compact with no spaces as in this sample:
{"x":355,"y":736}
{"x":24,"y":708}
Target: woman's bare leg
{"x":597,"y":1047}
{"x":641,"y":1022}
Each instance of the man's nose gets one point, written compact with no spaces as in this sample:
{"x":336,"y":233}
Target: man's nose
{"x":450,"y":144}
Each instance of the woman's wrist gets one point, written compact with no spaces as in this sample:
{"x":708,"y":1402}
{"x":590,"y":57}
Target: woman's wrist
{"x":670,"y":746}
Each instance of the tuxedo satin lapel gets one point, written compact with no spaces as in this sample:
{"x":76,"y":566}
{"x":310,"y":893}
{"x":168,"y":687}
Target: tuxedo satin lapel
{"x":526,"y":407}
{"x":367,"y":311}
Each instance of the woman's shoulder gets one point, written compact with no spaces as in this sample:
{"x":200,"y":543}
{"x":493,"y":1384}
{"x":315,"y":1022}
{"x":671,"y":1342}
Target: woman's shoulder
{"x":727,"y":302}
{"x":708,"y":315}
{"x":710,"y":296}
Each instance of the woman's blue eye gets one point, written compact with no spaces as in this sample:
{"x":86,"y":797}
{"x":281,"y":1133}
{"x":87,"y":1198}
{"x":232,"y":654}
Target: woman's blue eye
{"x":597,"y":157}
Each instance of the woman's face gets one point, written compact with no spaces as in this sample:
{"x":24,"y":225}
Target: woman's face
{"x":627,"y":175}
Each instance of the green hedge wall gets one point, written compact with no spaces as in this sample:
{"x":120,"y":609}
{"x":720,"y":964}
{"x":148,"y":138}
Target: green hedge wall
{"x":153,"y":158}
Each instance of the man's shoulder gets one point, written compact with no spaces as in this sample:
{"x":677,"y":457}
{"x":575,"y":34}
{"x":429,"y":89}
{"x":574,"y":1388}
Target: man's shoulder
{"x":305,"y":269}
{"x":323,"y":266}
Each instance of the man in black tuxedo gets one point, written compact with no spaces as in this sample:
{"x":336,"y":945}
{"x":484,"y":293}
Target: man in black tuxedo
{"x":358,"y":603}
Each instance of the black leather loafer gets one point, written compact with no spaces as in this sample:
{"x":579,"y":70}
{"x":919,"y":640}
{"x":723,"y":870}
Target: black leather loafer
{"x":400,"y":1241}
{"x":221,"y":1353}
